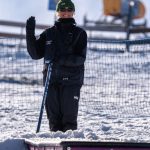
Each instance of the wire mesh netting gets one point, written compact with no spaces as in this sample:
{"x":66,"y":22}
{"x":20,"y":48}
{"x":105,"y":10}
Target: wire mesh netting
{"x":116,"y":83}
{"x":20,"y":76}
{"x":117,"y":79}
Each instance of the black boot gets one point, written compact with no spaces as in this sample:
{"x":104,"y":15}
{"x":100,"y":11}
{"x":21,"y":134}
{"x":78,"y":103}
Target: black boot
{"x":55,"y":126}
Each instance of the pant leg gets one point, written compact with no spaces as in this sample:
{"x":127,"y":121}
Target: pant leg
{"x":70,"y":102}
{"x":53,"y":108}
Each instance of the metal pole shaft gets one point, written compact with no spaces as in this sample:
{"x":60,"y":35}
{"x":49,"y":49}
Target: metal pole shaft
{"x":44,"y":97}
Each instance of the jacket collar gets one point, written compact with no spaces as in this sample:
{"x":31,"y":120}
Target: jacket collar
{"x":65,"y":23}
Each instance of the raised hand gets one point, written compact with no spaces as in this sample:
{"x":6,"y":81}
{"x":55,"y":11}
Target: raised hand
{"x":30,"y":24}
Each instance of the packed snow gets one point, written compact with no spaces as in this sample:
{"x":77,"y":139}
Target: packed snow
{"x":114,"y":104}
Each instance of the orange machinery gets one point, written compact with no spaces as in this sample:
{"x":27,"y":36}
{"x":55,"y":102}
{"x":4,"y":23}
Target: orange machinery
{"x":114,"y":8}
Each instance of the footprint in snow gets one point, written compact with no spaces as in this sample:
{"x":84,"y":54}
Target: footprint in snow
{"x":105,"y":128}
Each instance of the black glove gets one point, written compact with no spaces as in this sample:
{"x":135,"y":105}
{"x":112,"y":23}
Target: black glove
{"x":30,"y":24}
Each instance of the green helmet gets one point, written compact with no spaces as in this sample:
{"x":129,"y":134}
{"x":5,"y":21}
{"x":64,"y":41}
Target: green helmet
{"x":65,"y":4}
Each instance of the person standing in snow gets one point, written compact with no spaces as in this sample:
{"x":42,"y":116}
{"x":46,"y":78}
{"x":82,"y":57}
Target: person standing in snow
{"x":64,"y":45}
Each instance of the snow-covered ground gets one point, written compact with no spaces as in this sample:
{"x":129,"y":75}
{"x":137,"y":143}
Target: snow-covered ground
{"x":114,"y":103}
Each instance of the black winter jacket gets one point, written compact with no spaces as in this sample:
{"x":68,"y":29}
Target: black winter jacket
{"x":65,"y":45}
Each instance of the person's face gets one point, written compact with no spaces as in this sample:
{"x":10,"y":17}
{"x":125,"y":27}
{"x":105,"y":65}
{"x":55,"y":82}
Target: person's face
{"x":66,"y":13}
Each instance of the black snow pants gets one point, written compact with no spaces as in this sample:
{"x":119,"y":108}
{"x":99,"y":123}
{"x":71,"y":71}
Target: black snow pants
{"x":62,"y":106}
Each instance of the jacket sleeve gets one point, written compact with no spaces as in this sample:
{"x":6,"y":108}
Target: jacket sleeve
{"x":35,"y":47}
{"x":78,"y":57}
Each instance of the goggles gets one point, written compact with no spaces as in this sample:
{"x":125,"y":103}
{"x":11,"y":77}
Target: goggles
{"x":66,"y":9}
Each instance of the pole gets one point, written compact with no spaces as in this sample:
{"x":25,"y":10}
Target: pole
{"x":44,"y":97}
